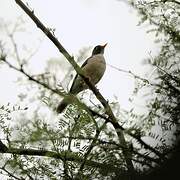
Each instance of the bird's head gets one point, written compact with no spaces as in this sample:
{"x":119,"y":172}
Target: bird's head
{"x":99,"y":49}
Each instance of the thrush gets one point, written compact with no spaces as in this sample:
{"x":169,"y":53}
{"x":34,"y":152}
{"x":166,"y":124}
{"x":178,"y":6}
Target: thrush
{"x":93,"y":68}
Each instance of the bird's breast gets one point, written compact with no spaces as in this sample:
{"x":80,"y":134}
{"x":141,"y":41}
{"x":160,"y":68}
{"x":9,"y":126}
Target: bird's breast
{"x":95,"y":68}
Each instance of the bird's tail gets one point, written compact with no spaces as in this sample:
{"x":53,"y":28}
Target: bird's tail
{"x":62,"y":105}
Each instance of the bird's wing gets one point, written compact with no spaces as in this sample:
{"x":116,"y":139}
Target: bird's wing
{"x":84,"y":64}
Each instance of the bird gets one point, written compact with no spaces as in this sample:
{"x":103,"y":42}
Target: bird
{"x":93,"y":68}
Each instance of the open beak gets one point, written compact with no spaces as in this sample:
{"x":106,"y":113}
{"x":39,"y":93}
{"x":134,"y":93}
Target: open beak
{"x":104,"y":45}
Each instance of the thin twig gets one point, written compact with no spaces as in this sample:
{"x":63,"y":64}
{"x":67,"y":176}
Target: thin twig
{"x":11,"y":174}
{"x":93,"y":143}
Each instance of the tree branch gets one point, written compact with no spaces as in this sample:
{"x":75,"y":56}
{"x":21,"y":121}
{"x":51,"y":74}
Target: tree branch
{"x":60,"y":155}
{"x":11,"y":174}
{"x":3,"y":147}
{"x":31,"y":78}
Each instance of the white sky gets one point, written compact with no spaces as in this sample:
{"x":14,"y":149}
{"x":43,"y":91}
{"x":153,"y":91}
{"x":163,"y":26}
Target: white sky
{"x":84,"y":23}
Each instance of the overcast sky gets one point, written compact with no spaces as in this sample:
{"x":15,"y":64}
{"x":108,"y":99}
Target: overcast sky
{"x":85,"y":23}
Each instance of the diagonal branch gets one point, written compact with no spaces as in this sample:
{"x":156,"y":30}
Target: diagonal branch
{"x":31,"y":78}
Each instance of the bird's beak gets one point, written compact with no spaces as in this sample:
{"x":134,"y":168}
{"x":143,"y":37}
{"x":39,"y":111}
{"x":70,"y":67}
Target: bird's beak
{"x":104,"y":45}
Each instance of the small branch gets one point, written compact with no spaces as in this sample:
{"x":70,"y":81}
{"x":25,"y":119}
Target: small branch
{"x":11,"y":174}
{"x":93,"y":143}
{"x":31,"y":78}
{"x":60,"y":155}
{"x":146,"y":157}
{"x":174,"y":78}
{"x":21,"y":167}
{"x":146,"y":146}
{"x":142,"y":163}
{"x":177,"y":2}
{"x":130,"y":73}
{"x":15,"y":48}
